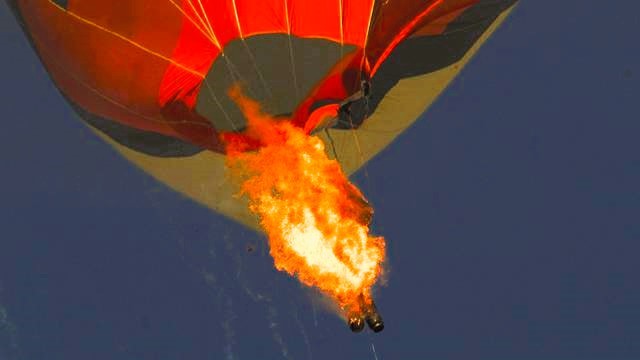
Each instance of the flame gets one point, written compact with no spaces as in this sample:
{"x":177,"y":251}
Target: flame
{"x":315,"y":219}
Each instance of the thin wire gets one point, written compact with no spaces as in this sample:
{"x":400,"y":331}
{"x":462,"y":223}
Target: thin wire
{"x":333,"y":145}
{"x":291,"y":57}
{"x":351,"y":125}
{"x":202,"y":22}
{"x":231,"y":68}
{"x":134,"y":43}
{"x":360,"y":153}
{"x":373,"y":349}
{"x":366,"y":37}
{"x":341,"y":15}
{"x":251,"y":56}
{"x":206,"y":18}
{"x":193,"y":22}
{"x":215,"y":98}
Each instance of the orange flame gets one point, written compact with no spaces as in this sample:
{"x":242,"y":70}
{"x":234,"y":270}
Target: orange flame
{"x":317,"y":222}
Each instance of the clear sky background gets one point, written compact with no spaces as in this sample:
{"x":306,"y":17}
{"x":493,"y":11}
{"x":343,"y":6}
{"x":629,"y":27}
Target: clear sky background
{"x":511,"y":211}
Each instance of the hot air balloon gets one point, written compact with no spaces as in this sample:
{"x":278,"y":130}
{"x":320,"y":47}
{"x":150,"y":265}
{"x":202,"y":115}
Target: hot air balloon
{"x":151,"y":78}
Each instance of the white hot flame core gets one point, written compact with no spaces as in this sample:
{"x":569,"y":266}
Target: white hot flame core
{"x":307,"y":241}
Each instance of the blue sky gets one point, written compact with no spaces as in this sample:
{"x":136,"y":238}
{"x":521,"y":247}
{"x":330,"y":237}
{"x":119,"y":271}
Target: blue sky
{"x":511,"y":212}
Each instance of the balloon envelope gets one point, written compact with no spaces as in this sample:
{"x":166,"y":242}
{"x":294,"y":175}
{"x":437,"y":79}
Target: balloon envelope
{"x":152,"y":79}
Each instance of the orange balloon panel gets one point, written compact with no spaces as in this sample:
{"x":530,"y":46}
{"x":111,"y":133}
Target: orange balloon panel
{"x":166,"y":67}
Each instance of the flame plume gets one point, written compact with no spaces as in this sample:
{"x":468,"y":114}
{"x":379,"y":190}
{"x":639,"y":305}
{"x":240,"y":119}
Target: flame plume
{"x":317,"y":222}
